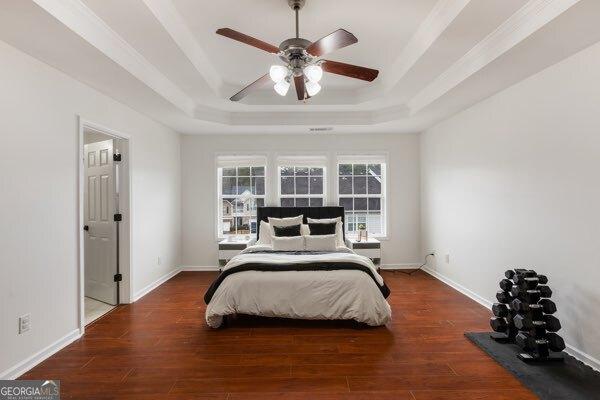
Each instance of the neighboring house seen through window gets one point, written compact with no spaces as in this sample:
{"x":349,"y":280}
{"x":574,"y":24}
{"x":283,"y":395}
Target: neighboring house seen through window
{"x":241,"y":190}
{"x":301,"y":186}
{"x":361,"y":191}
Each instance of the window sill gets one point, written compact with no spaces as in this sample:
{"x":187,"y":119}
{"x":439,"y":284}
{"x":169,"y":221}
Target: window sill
{"x":378,"y":237}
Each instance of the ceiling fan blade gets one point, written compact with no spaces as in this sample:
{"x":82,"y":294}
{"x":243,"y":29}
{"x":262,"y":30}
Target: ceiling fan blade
{"x":300,"y":87}
{"x":263,"y":80}
{"x":353,"y":71}
{"x":249,"y":40}
{"x":334,"y":41}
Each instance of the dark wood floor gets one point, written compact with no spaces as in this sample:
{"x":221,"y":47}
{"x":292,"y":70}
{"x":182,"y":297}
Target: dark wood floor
{"x":161,"y":348}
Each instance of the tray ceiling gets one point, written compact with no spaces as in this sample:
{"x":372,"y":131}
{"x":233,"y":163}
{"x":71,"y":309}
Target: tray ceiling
{"x":435,"y":57}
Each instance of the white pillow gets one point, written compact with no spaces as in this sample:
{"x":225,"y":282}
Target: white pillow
{"x":289,"y":243}
{"x":339,"y":228}
{"x":264,"y":236}
{"x":321,"y":243}
{"x":284,"y":222}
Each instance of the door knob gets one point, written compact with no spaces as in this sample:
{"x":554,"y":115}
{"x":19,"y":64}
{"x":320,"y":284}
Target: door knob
{"x":86,"y":228}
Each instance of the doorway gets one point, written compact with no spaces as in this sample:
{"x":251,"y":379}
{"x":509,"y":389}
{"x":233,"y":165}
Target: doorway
{"x":104,"y":210}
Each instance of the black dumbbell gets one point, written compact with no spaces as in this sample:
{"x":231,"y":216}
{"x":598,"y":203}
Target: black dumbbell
{"x":530,"y":343}
{"x":503,"y":296}
{"x":500,"y":310}
{"x":548,"y":322}
{"x":528,"y":283}
{"x":556,"y":342}
{"x":531,"y":296}
{"x":506,"y":284}
{"x":499,"y":324}
{"x":548,"y":306}
{"x":509,"y":273}
{"x":521,"y":306}
{"x":522,"y":272}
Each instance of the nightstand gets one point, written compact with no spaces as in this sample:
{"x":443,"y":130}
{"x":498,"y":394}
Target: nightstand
{"x":369,"y":248}
{"x":231,"y":248}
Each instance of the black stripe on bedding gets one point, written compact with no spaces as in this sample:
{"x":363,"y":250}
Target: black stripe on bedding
{"x":316,"y":266}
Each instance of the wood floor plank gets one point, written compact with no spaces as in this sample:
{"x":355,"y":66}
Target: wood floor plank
{"x":161,"y":348}
{"x":374,"y":369}
{"x":389,"y":395}
{"x":477,"y":394}
{"x":260,"y":385}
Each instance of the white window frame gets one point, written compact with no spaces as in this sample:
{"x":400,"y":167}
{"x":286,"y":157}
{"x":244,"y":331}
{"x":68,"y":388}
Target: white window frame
{"x":304,"y":161}
{"x":384,"y":196}
{"x":230,"y":161}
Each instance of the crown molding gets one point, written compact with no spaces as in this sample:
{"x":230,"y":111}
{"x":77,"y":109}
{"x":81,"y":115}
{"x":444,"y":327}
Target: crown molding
{"x":341,"y":118}
{"x":170,"y":19}
{"x":84,"y":22}
{"x":527,"y":20}
{"x":437,"y":21}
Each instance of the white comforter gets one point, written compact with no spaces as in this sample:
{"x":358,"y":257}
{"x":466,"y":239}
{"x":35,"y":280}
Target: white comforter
{"x":341,"y":294}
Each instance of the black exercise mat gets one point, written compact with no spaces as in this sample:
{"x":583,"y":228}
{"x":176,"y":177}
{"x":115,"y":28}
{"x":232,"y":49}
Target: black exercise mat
{"x":570,"y":379}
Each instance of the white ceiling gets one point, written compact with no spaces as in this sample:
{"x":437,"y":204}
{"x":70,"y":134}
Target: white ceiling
{"x":435,"y":57}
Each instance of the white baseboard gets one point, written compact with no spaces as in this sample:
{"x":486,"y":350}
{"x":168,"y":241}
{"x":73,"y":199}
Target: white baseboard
{"x":585,"y":358}
{"x":469,"y":293}
{"x":15,"y":371}
{"x":199,"y":268}
{"x":399,"y":266}
{"x":144,"y":291}
{"x":575,"y":352}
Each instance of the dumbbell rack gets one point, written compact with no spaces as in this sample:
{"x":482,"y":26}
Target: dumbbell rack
{"x":523,"y":316}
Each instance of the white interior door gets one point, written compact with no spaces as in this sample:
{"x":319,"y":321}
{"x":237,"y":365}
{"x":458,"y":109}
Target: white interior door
{"x":100,"y":238}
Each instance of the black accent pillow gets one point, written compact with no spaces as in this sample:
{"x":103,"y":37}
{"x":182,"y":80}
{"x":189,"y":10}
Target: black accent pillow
{"x":286,"y":231}
{"x":322,"y":229}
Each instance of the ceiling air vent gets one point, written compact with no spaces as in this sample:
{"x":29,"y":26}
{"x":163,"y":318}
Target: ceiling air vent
{"x":321,"y":129}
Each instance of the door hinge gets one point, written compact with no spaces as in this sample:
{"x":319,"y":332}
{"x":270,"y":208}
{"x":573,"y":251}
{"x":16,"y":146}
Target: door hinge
{"x":118,"y":277}
{"x":117,"y":157}
{"x":118,"y":217}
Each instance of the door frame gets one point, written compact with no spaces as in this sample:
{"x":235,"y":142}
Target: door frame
{"x":125,"y":227}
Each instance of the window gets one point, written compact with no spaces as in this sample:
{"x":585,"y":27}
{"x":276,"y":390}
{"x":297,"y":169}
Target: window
{"x":241,"y":190}
{"x":361,"y":191}
{"x":301,"y":186}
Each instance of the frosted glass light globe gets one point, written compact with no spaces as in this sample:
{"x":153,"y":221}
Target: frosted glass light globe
{"x":278,"y":73}
{"x":312,"y":88}
{"x":314,"y":73}
{"x":282,"y":87}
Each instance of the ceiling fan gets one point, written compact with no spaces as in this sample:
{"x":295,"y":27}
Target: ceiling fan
{"x":301,"y":57}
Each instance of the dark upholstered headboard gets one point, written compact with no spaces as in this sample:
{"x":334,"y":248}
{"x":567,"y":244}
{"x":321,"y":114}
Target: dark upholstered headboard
{"x":263,"y":214}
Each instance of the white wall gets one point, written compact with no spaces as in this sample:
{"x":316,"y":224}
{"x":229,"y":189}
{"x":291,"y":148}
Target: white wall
{"x":39,"y":203}
{"x":199,"y":197}
{"x":515,"y":181}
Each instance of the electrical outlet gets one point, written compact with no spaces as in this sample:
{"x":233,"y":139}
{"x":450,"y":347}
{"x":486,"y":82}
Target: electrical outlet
{"x":447,"y":258}
{"x":24,"y":323}
{"x":158,"y":261}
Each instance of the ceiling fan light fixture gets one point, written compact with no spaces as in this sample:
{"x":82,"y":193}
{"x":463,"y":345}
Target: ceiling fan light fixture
{"x":312,"y":88}
{"x":313,"y":72}
{"x":282,"y":87}
{"x":278,"y":73}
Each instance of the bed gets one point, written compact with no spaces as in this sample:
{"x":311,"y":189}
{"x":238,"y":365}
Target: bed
{"x":334,"y":284}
